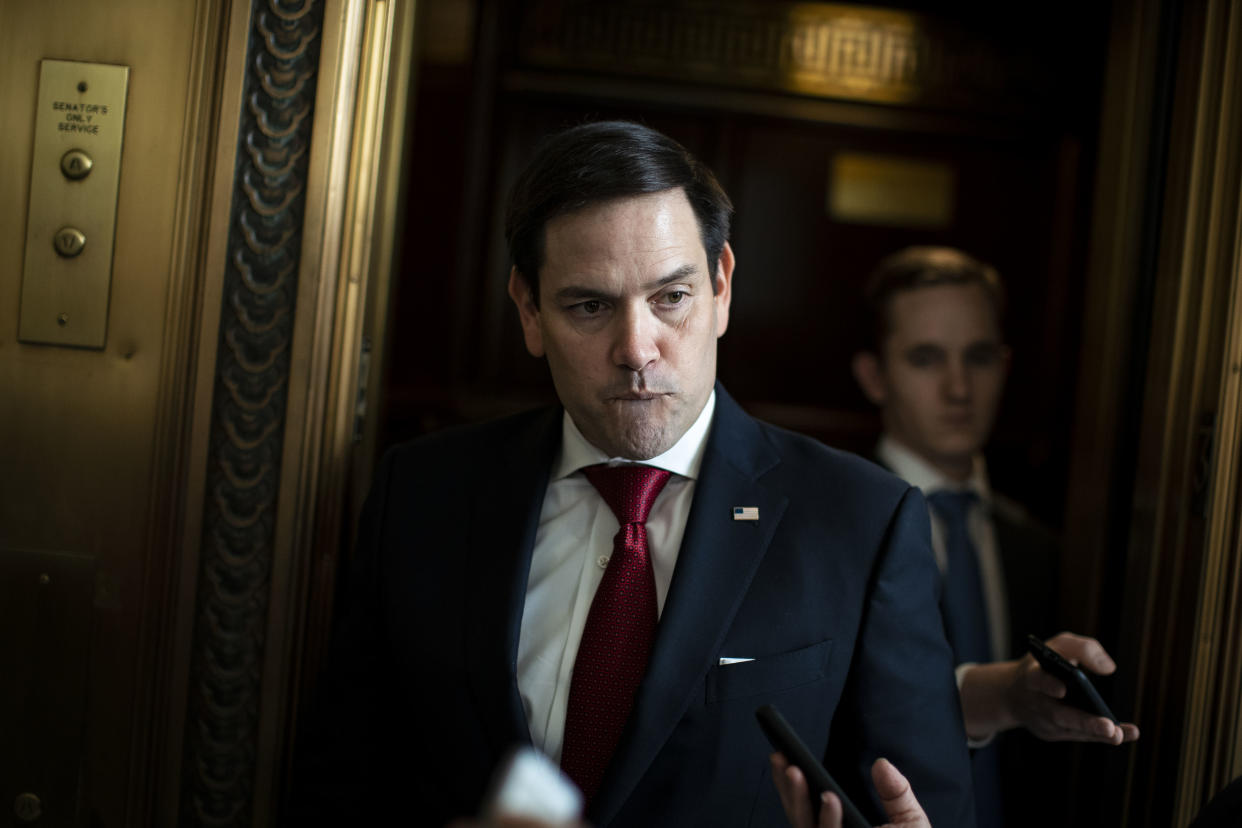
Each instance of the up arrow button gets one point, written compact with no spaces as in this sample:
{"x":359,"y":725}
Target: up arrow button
{"x":76,"y":164}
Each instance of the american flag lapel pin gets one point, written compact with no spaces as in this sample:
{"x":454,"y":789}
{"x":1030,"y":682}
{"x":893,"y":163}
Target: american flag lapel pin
{"x":745,"y":512}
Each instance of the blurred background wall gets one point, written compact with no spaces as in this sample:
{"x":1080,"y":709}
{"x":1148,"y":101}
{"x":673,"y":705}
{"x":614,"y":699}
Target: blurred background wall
{"x":164,"y":615}
{"x":842,"y":133}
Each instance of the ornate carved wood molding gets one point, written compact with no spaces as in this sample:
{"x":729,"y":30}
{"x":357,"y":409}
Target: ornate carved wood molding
{"x":826,"y":50}
{"x":248,"y":412}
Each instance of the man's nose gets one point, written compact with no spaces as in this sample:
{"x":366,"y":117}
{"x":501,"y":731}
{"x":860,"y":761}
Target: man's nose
{"x":956,"y":380}
{"x":634,"y":344}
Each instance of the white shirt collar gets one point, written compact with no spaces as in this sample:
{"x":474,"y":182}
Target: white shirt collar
{"x":684,"y":458}
{"x":918,"y":472}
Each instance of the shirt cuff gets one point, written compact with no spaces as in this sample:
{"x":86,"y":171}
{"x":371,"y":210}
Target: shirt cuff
{"x":959,"y":673}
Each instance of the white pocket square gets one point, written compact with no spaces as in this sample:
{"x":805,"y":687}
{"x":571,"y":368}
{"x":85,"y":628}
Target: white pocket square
{"x":725,"y":661}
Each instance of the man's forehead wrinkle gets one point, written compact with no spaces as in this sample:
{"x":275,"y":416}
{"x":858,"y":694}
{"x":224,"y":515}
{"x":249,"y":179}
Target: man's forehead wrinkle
{"x":944,"y":312}
{"x":589,"y":288}
{"x":682,"y":273}
{"x":948,"y":330}
{"x":582,"y":292}
{"x":624,"y":248}
{"x":945,"y":350}
{"x":945,"y":342}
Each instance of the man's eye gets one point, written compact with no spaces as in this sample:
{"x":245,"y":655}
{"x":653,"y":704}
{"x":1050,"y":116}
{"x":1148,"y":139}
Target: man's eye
{"x":674,"y":297}
{"x":923,"y":357}
{"x":983,"y":356}
{"x":590,"y":307}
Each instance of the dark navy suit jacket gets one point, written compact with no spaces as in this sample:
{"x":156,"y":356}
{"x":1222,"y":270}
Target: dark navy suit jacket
{"x":833,"y":592}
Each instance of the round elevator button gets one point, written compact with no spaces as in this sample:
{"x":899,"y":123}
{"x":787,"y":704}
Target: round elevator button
{"x":27,"y":807}
{"x":76,"y":164}
{"x":69,"y":241}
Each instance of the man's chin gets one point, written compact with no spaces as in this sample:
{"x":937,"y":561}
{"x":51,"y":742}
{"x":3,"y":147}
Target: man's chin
{"x":637,"y":440}
{"x":953,"y":452}
{"x":966,"y":445}
{"x":642,"y":448}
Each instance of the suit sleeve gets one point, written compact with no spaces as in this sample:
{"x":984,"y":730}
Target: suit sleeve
{"x":336,"y":763}
{"x":901,"y":700}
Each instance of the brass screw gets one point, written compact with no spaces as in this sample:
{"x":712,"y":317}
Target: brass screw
{"x":62,"y":319}
{"x":45,"y":579}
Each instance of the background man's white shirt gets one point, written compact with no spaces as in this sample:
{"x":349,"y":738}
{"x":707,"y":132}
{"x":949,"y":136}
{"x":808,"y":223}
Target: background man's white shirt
{"x":565,"y":571}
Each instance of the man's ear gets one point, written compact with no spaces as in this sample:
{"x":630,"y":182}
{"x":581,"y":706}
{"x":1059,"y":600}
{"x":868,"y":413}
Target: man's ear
{"x":870,"y":376}
{"x":723,"y":288}
{"x":528,"y":312}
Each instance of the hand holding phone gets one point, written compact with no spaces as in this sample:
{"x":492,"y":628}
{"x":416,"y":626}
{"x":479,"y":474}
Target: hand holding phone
{"x":1079,"y":691}
{"x":786,"y":741}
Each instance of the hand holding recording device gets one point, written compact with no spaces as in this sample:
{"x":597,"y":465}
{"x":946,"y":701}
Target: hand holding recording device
{"x":530,"y":785}
{"x":1079,"y":691}
{"x":818,"y":780}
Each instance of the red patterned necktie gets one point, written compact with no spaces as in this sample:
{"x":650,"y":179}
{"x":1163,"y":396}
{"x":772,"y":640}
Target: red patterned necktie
{"x":616,"y":641}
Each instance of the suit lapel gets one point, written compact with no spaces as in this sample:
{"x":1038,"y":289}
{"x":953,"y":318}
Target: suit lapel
{"x":504,"y":519}
{"x":718,"y":559}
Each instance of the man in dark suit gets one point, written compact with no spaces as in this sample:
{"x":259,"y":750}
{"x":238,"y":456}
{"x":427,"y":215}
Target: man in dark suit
{"x":936,"y":368}
{"x":623,"y":579}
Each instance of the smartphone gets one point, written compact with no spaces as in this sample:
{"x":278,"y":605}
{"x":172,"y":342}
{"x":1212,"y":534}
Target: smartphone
{"x":818,"y":780}
{"x":1079,"y":691}
{"x":530,"y":785}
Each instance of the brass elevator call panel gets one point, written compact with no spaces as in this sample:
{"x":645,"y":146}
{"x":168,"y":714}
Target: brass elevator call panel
{"x":71,"y":220}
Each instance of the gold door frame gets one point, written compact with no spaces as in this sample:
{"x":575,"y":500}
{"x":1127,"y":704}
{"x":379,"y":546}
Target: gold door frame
{"x":1181,"y":646}
{"x":1212,"y":734}
{"x":302,"y":205}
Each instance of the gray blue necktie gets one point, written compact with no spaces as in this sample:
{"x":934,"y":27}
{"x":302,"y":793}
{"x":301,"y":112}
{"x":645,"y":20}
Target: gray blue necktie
{"x":964,"y":607}
{"x":962,"y":602}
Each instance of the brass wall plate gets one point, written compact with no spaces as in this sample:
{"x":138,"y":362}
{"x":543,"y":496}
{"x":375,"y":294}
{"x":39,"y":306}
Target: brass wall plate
{"x":70,"y":224}
{"x":891,"y":191}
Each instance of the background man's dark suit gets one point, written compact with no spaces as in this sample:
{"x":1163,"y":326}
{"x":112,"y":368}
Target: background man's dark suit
{"x":1030,"y":556}
{"x":831,"y":592}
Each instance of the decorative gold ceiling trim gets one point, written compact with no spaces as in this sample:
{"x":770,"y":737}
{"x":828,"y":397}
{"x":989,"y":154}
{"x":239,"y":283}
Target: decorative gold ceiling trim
{"x":823,"y":50}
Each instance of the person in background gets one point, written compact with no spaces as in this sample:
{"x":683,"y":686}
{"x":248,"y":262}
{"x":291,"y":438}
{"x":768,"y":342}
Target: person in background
{"x":936,"y":368}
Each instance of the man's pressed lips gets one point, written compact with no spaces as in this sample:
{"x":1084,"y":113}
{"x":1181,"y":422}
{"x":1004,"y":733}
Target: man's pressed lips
{"x":637,"y":397}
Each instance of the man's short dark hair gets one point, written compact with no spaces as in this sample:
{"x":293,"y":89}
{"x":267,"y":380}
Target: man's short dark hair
{"x":598,"y":162}
{"x":920,"y":267}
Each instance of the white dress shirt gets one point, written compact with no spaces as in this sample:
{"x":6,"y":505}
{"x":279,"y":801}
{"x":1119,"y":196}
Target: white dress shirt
{"x":572,"y":548}
{"x":917,"y":472}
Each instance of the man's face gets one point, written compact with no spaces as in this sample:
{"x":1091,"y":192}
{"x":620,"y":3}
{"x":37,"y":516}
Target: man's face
{"x":628,"y":320}
{"x":940,"y":375}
